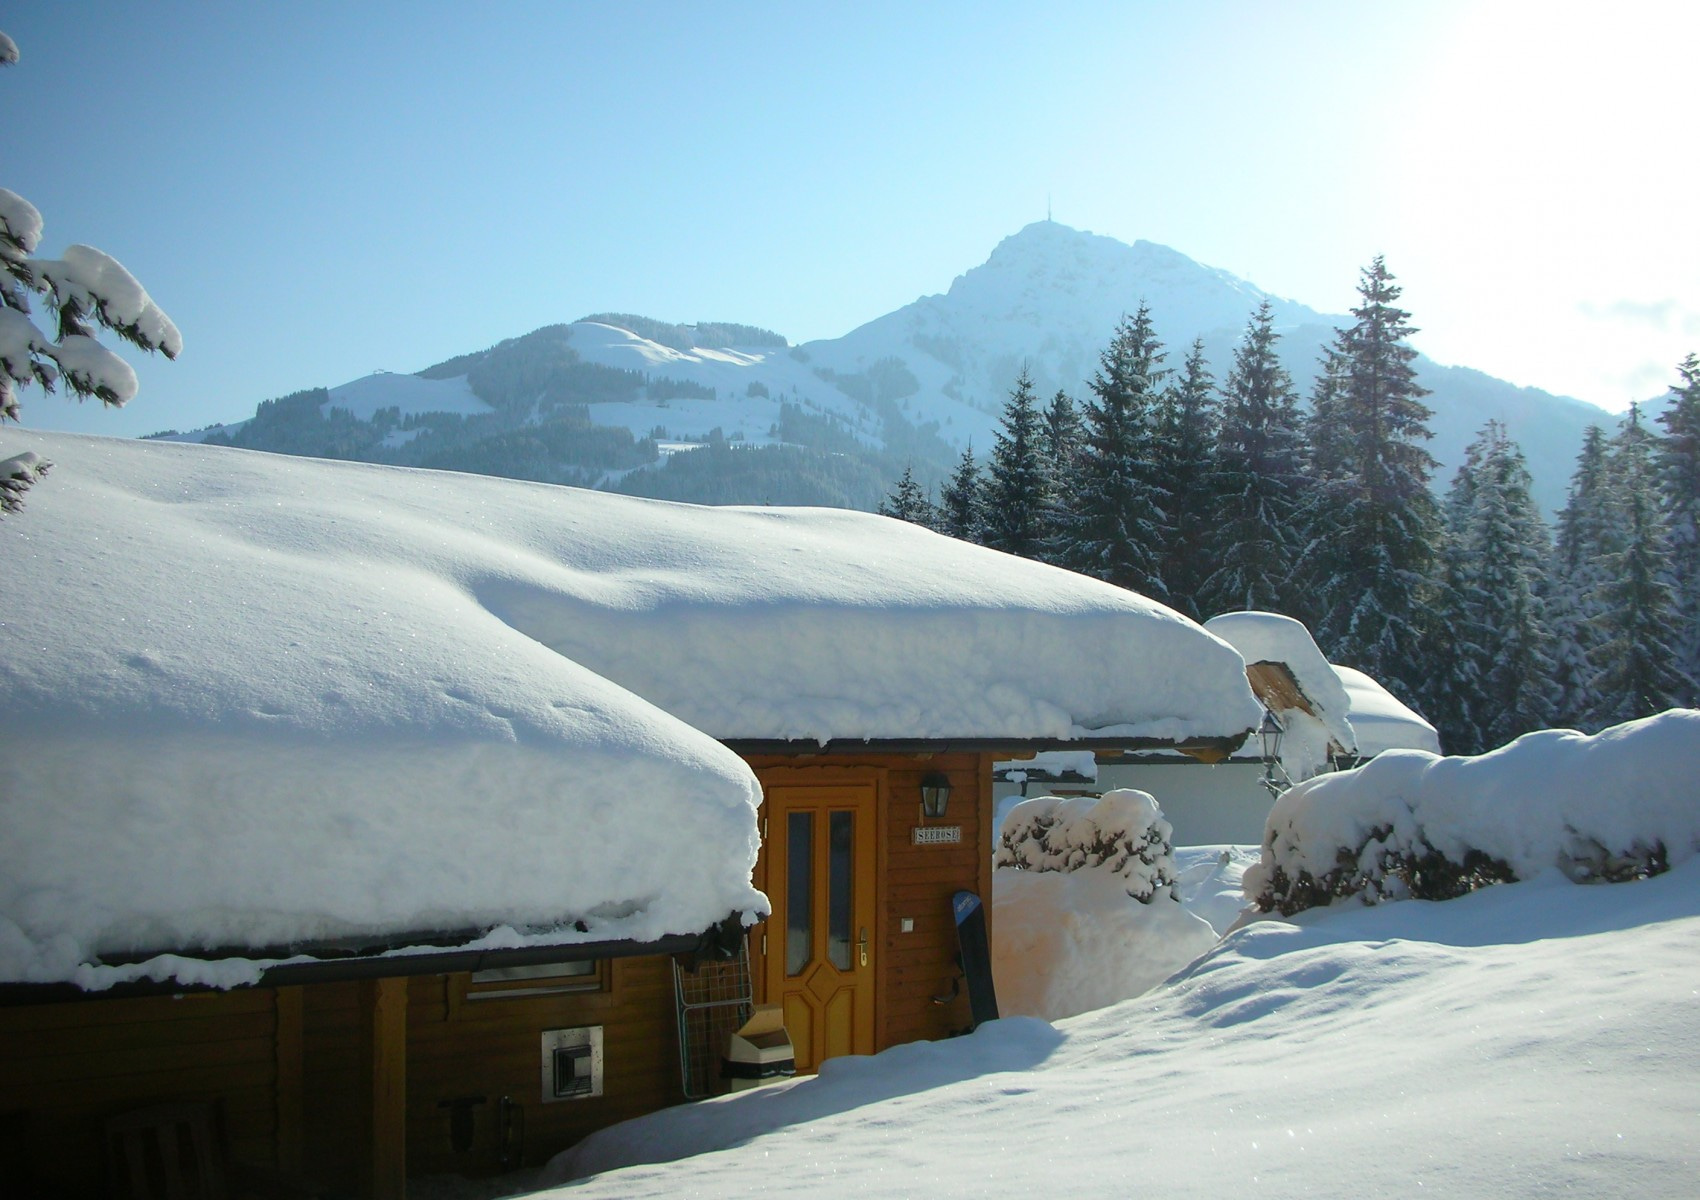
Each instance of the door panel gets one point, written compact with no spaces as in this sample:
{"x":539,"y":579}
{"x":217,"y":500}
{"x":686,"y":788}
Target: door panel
{"x":819,"y":965}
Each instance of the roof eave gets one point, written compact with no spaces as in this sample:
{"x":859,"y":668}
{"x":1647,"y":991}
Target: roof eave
{"x":426,"y":954}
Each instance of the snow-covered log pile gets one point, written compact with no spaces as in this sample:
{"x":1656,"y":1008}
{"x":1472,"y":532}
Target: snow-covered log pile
{"x":1264,"y":637}
{"x":1615,"y":806}
{"x":1067,"y":933}
{"x":1122,"y":833}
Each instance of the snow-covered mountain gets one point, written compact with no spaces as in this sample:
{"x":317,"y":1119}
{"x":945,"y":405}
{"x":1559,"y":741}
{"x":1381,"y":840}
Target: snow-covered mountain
{"x":1049,"y":297}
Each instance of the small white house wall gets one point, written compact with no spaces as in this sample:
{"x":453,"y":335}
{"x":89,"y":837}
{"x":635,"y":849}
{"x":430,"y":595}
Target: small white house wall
{"x":1208,"y":805}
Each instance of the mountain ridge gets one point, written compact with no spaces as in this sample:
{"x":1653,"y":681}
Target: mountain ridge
{"x":919,"y":384}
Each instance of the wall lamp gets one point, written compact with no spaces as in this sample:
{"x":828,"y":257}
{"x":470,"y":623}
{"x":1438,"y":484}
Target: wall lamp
{"x":935,"y":794}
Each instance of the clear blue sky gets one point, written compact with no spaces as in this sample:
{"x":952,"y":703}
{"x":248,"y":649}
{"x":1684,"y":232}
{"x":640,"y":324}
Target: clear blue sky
{"x":314,"y":191}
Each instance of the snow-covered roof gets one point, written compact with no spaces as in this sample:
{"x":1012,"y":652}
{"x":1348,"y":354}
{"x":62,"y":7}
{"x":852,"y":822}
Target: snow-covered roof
{"x":1381,"y":720}
{"x":1271,"y":637}
{"x":252,"y":700}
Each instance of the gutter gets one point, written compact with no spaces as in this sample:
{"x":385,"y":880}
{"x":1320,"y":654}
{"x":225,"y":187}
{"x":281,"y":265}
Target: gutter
{"x":341,"y":963}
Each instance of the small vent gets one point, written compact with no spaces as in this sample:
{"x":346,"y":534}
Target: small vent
{"x":572,"y":1063}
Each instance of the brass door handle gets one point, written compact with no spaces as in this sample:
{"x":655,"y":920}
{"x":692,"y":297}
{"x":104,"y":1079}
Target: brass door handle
{"x":862,"y":946}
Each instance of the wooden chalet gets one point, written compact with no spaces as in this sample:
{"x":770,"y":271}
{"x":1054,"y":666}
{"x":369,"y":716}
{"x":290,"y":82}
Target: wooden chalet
{"x":350,"y":1074}
{"x":348,"y":1066}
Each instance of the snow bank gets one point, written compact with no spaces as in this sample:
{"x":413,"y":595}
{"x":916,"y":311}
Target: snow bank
{"x":1085,"y":908}
{"x":1619,"y":804}
{"x":1380,"y":720}
{"x":254,"y":700}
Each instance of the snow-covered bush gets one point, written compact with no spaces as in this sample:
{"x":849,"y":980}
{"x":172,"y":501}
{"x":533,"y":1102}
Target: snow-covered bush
{"x":1620,"y":805}
{"x":1067,"y":935}
{"x":1123,"y":833}
{"x":83,"y":289}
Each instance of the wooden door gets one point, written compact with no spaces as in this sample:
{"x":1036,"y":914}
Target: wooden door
{"x":819,"y":964}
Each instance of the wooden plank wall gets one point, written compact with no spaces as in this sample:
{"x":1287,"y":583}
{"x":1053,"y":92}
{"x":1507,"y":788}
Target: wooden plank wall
{"x":492,"y":1047}
{"x":919,"y":884}
{"x":65,"y":1069}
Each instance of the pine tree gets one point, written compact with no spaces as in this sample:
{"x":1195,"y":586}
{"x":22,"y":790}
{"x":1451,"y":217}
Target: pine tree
{"x":1493,"y":641}
{"x":1259,"y":479}
{"x":908,"y":502}
{"x":1115,"y":529}
{"x":1186,"y":444}
{"x":1575,"y":585}
{"x":961,"y":505}
{"x":85,"y":290}
{"x":1637,"y":674}
{"x":1374,"y":523}
{"x":1678,"y":461}
{"x":1018,"y":490}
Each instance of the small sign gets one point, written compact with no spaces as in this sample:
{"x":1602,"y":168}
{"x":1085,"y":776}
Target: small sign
{"x":936,"y":835}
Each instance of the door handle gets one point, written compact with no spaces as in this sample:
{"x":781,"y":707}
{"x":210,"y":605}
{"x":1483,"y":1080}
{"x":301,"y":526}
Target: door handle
{"x":862,"y":946}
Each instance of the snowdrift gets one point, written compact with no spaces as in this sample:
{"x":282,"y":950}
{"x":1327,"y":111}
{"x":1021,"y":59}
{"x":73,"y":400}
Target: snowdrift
{"x":1085,"y":905}
{"x":1618,"y":805}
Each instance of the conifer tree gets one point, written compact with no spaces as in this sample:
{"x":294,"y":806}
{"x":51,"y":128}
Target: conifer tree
{"x":1586,"y":536}
{"x":84,"y":290}
{"x":1678,"y":462}
{"x":1017,"y":491}
{"x":1374,"y":523}
{"x":1494,"y":640}
{"x":1637,"y":673}
{"x":1061,"y":433}
{"x":1259,"y":479}
{"x":961,"y":505}
{"x":1060,"y":436}
{"x":1115,"y":527}
{"x":909,"y":502}
{"x":1186,"y":444}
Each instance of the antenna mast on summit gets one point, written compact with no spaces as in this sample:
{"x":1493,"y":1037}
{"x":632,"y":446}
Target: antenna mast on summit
{"x":1047,"y":208}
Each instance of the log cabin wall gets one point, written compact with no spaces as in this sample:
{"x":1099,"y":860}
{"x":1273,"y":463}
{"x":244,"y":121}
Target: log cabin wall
{"x":462,"y":1046}
{"x":916,"y":882}
{"x":68,"y":1068}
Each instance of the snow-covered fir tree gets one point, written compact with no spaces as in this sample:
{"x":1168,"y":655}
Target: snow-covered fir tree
{"x":1678,"y":462}
{"x":908,"y":501}
{"x":1061,"y":433}
{"x":84,"y":290}
{"x":1492,"y":670}
{"x":1060,"y":436}
{"x":1185,"y":452}
{"x":1635,"y":662}
{"x":1115,"y":528}
{"x":1017,"y":492}
{"x":1373,"y":520}
{"x":1259,"y":479}
{"x":961,"y":510}
{"x":1586,"y":535}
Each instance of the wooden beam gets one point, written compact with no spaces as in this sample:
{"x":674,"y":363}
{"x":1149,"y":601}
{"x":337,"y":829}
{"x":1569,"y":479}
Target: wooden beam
{"x":384,"y":1164}
{"x":288,"y":1007}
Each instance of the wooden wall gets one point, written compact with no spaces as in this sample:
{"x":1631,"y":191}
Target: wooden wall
{"x":291,"y":1070}
{"x":491,"y":1047}
{"x":65,"y":1069}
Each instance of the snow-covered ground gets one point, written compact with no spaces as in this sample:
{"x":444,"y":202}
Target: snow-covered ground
{"x":1529,"y":1039}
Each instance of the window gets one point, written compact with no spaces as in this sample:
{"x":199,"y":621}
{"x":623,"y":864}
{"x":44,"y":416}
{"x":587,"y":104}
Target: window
{"x":540,"y":979}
